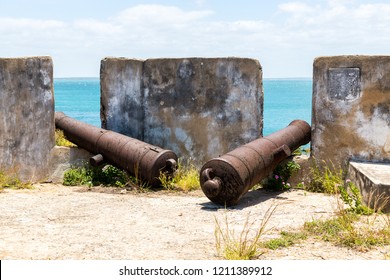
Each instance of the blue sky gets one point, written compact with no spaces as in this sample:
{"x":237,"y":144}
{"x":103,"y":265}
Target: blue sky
{"x":285,"y":36}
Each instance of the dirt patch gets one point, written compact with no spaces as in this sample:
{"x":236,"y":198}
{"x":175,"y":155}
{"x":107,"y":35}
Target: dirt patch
{"x":57,"y":222}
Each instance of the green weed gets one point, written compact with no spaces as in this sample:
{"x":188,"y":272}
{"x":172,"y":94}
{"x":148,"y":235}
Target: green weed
{"x":77,"y":176}
{"x":286,"y":239}
{"x":326,"y":178}
{"x":107,"y":175}
{"x":93,"y":176}
{"x":330,"y":229}
{"x":281,"y":174}
{"x":351,"y":196}
{"x":344,"y":230}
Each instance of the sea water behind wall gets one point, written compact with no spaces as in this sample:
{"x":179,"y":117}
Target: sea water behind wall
{"x":284,"y":100}
{"x":78,"y":98}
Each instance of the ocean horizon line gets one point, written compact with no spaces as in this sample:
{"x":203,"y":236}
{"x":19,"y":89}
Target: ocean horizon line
{"x":97,"y":78}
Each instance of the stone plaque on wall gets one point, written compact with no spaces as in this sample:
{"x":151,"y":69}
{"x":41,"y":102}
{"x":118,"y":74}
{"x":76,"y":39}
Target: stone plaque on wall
{"x":344,"y":83}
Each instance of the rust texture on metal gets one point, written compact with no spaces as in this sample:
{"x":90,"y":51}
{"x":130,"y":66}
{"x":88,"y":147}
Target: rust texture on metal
{"x":224,"y":180}
{"x":140,"y":159}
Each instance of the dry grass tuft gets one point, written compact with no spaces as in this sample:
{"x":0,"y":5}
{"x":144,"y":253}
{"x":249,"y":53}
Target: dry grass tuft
{"x":246,"y":244}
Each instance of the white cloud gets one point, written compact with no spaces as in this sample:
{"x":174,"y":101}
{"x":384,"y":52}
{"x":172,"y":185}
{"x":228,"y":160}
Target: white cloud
{"x":295,"y":7}
{"x":158,"y":14}
{"x":97,"y":27}
{"x":26,"y":22}
{"x":342,"y":24}
{"x":373,"y":11}
{"x":337,"y":11}
{"x":285,"y":44}
{"x":24,"y":37}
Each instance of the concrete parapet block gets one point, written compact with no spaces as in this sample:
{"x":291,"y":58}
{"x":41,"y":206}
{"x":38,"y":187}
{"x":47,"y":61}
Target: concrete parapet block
{"x":26,"y":116}
{"x":302,"y":176}
{"x":351,"y":109}
{"x":373,"y":181}
{"x":64,"y":158}
{"x":198,"y":107}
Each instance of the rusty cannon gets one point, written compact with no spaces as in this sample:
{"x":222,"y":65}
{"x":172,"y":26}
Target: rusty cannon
{"x":224,"y":180}
{"x":138,"y":158}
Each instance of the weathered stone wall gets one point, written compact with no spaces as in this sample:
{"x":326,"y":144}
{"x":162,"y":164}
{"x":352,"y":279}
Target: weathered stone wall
{"x":197,"y":107}
{"x":351,"y":109}
{"x":122,"y":108}
{"x":26,"y":116}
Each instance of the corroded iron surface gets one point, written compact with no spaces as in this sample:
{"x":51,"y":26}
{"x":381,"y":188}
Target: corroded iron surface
{"x":224,"y":180}
{"x":140,"y":159}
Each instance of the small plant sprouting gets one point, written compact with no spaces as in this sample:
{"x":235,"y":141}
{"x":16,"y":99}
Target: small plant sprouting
{"x":77,"y":176}
{"x":351,"y":196}
{"x":278,"y":179}
{"x":326,"y":178}
{"x":286,"y":239}
{"x":92,"y":176}
{"x":107,"y":175}
{"x":9,"y":179}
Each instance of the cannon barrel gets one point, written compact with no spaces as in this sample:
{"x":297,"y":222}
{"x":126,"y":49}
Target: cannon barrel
{"x":140,"y":159}
{"x":224,"y":180}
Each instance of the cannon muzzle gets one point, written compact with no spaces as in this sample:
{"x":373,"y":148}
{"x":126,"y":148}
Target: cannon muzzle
{"x":224,"y":180}
{"x":140,"y":159}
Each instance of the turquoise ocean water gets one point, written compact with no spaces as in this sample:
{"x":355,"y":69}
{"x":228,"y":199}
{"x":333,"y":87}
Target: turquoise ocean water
{"x":284,"y":100}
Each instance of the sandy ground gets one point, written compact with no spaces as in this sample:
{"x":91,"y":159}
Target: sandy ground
{"x":57,"y":222}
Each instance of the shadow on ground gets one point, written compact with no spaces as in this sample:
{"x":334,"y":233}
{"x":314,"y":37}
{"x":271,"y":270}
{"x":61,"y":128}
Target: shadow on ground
{"x":251,"y":198}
